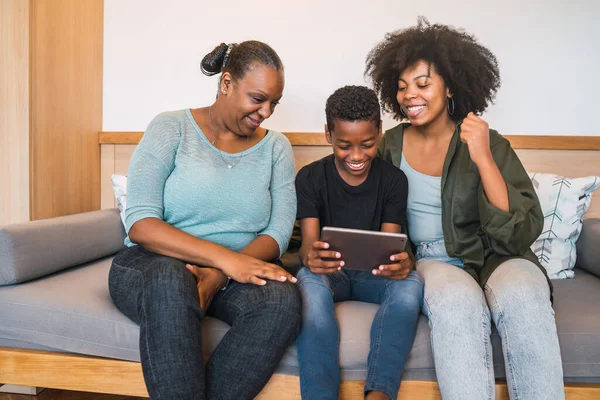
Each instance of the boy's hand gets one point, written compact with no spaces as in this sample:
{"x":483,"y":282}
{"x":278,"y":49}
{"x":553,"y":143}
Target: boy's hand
{"x":397,"y":271}
{"x":314,"y":259}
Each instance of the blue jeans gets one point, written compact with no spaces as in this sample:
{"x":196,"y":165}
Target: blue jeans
{"x":516,"y":298}
{"x":436,"y":250}
{"x":392,"y":331}
{"x":160,"y":294}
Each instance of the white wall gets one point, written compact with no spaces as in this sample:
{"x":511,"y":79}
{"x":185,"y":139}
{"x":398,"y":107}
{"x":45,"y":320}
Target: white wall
{"x":549,"y":54}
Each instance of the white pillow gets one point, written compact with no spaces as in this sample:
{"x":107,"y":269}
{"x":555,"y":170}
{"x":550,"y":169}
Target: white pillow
{"x":564,"y":202}
{"x":119,"y":184}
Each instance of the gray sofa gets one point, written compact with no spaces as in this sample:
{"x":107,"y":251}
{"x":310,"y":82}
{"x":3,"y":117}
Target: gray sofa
{"x":55,"y":297}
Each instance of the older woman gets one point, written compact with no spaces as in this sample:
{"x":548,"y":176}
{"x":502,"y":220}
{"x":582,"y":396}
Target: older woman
{"x":210,"y":187}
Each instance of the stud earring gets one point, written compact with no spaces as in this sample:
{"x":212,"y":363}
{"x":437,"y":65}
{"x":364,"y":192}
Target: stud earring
{"x":224,"y":91}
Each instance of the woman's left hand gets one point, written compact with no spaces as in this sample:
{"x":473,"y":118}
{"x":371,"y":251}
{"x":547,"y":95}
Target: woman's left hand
{"x":398,"y":270}
{"x":208,"y":281}
{"x":475,"y":133}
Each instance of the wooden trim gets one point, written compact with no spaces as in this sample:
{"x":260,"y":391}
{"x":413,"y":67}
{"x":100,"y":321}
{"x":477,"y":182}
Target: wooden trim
{"x":307,"y":138}
{"x":102,"y":375}
{"x":318,"y":139}
{"x":120,"y":137}
{"x":71,"y":372}
{"x":554,"y":142}
{"x":296,"y":138}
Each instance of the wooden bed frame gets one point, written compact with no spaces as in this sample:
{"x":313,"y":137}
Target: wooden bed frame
{"x":571,"y":156}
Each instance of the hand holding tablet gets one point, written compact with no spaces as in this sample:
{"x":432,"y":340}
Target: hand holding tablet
{"x":366,"y":250}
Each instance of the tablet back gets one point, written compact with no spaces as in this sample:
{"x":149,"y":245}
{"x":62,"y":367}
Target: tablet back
{"x":363,"y":250}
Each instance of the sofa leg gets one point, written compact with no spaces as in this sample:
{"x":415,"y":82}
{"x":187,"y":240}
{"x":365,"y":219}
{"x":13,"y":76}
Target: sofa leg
{"x":17,"y":389}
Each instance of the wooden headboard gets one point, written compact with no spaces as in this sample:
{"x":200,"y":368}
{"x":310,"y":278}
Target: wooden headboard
{"x":571,"y":156}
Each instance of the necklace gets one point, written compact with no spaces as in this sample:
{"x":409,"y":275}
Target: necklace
{"x":214,"y":143}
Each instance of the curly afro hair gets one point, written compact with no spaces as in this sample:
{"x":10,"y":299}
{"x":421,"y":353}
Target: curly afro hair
{"x":352,"y":103}
{"x":469,"y":70}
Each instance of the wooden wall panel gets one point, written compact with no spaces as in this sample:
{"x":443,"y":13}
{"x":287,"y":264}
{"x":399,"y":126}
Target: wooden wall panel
{"x":14,"y":111}
{"x":107,"y":168}
{"x":570,"y":163}
{"x":66,"y":106}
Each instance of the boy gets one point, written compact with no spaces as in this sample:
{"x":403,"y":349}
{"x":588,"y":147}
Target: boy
{"x":353,"y":188}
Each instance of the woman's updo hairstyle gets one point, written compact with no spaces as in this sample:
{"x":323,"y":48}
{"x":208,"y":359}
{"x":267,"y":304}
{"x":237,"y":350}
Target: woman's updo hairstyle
{"x":237,"y":58}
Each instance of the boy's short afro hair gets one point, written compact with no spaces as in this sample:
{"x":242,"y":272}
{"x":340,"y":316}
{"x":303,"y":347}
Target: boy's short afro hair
{"x":352,"y":103}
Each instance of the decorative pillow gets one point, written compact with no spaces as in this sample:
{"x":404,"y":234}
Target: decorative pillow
{"x":119,"y":184}
{"x":564,"y":201}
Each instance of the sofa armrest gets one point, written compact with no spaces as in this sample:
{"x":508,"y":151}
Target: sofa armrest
{"x":588,"y":246}
{"x":37,"y":248}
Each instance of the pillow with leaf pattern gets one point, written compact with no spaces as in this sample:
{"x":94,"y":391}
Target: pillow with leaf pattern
{"x":564,"y":202}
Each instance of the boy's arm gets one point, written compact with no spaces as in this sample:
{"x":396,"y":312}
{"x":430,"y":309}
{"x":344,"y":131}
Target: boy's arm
{"x":313,"y":251}
{"x":309,"y":228}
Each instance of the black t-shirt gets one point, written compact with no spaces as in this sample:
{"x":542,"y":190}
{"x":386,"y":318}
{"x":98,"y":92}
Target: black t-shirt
{"x":322,"y":193}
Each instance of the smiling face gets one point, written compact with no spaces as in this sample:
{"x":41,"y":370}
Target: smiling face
{"x":422,"y":94}
{"x":354,"y":147}
{"x":251,"y":99}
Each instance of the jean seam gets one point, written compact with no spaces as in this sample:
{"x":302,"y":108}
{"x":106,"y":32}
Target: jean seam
{"x":512,"y":382}
{"x":156,"y":387}
{"x":383,"y":308}
{"x":430,"y":319}
{"x":486,"y":345}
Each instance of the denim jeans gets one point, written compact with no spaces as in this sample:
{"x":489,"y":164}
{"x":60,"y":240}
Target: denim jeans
{"x":437,"y":251}
{"x":160,"y":294}
{"x":392,"y":331}
{"x":517,"y":298}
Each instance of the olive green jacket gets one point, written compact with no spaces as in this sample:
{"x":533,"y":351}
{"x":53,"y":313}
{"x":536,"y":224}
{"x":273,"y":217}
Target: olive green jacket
{"x":475,"y":230}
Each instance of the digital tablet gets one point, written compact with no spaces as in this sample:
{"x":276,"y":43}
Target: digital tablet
{"x":363,"y":250}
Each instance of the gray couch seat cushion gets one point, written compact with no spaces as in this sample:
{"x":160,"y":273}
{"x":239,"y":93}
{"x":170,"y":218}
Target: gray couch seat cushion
{"x":71,"y":311}
{"x":577,"y":307}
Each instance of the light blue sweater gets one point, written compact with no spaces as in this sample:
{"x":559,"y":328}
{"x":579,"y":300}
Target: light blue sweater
{"x":177,"y":175}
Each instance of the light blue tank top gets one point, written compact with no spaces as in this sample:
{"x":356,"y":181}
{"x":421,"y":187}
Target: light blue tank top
{"x":424,"y":208}
{"x":424,"y":214}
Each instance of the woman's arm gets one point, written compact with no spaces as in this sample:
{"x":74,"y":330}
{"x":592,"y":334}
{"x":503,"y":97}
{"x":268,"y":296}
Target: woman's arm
{"x":283,"y":205}
{"x":159,"y":237}
{"x":509,"y":209}
{"x":494,"y":185}
{"x":263,"y":247}
{"x":150,"y":167}
{"x":475,"y":133}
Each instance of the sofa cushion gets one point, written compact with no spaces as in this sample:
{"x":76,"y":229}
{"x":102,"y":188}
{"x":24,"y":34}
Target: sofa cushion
{"x":34,"y":249}
{"x":564,"y":202}
{"x":578,"y":321}
{"x":588,"y":248}
{"x":119,"y":184}
{"x":71,"y":311}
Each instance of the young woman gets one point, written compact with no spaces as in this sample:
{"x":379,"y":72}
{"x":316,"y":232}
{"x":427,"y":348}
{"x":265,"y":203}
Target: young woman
{"x":472,"y":215}
{"x":210,"y":187}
